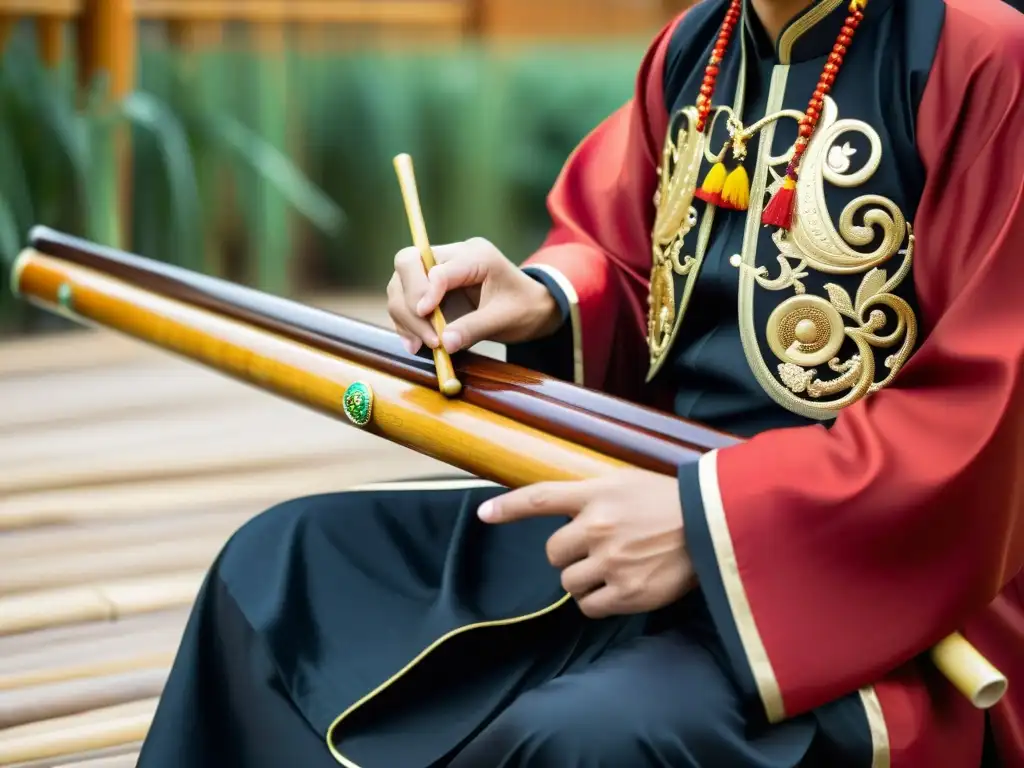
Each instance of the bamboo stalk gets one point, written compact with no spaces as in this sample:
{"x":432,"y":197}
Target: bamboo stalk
{"x":7,"y":23}
{"x":99,"y":729}
{"x":240,"y":490}
{"x":82,"y":643}
{"x":60,"y":699}
{"x":153,"y":557}
{"x":96,"y":602}
{"x":447,"y":381}
{"x":128,"y":760}
{"x":50,"y":36}
{"x":121,"y":756}
{"x":98,"y":669}
{"x":144,"y":470}
{"x":50,"y":540}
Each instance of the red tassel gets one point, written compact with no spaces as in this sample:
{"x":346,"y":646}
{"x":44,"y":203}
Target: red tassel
{"x":711,"y":198}
{"x":779,"y":211}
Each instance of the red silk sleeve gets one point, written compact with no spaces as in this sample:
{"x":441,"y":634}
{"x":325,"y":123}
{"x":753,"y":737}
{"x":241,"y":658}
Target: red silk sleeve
{"x":598,"y":251}
{"x":845,"y":552}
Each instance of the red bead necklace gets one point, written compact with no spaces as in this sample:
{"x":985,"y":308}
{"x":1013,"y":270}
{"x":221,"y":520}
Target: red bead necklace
{"x":730,"y":189}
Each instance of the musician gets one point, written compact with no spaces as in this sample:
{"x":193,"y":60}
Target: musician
{"x":805,"y":228}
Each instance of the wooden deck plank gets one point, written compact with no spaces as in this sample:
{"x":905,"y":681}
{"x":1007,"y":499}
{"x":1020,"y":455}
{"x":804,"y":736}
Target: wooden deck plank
{"x":125,"y":470}
{"x":65,"y":736}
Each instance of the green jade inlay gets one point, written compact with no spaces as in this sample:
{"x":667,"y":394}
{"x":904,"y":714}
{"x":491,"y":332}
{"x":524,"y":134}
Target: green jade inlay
{"x":358,"y":403}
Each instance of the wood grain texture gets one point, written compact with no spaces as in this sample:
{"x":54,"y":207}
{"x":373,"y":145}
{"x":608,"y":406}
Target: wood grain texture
{"x":61,"y":698}
{"x":65,"y":736}
{"x":478,"y":441}
{"x":120,"y":756}
{"x":641,"y":436}
{"x":101,"y":601}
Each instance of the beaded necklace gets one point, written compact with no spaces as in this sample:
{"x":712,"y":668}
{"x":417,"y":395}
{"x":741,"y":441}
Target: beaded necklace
{"x":730,"y":188}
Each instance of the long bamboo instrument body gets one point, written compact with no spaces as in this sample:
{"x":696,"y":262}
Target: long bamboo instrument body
{"x":512,"y":426}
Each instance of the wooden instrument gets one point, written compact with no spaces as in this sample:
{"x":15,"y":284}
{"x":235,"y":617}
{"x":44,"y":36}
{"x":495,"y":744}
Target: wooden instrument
{"x":509,"y":425}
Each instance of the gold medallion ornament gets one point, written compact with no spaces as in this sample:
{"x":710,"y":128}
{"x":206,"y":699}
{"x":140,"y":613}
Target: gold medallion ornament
{"x":859,"y":310}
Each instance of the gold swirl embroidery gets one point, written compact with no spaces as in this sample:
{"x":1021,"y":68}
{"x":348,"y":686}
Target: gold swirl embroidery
{"x":681,"y":162}
{"x":806,"y":332}
{"x":674,"y":218}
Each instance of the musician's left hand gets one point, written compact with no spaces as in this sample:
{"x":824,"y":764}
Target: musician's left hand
{"x":623,"y":551}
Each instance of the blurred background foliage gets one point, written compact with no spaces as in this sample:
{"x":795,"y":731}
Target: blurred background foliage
{"x":274,"y":168}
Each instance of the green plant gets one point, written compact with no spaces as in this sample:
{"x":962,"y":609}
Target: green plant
{"x":58,"y":161}
{"x":242,"y":163}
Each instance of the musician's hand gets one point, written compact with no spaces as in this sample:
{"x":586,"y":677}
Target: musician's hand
{"x":501,"y":302}
{"x":623,"y":551}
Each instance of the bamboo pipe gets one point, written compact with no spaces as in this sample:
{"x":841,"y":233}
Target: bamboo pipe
{"x":643,"y":437}
{"x":71,"y":697}
{"x":97,"y":602}
{"x":405,"y":414}
{"x":970,"y":672}
{"x":63,"y":736}
{"x":492,"y":446}
{"x":446,"y":379}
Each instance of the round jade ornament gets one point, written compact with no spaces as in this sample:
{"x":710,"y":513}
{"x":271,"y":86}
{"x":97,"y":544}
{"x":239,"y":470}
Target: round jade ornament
{"x":358,"y":403}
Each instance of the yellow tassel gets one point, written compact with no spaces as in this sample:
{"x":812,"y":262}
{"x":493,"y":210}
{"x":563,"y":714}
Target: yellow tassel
{"x":711,"y":189}
{"x":736,"y":190}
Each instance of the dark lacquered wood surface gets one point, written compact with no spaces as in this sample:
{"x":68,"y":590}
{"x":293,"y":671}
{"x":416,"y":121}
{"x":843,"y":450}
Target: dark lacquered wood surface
{"x":639,"y":435}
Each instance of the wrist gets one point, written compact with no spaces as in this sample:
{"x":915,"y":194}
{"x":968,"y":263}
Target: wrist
{"x":546,"y":314}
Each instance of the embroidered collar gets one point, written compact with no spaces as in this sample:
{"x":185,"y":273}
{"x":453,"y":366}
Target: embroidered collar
{"x":810,"y":35}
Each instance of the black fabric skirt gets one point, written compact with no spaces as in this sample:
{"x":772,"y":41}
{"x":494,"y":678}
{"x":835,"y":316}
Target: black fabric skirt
{"x":391,"y":629}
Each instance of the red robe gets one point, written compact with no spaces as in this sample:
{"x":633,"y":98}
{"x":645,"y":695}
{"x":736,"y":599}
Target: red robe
{"x":848,"y":552}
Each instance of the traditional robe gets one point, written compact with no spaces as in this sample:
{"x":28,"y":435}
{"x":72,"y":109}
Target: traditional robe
{"x":875,"y":509}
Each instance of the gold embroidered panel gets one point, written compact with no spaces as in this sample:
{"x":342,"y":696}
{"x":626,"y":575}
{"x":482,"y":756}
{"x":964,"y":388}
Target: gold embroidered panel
{"x":821,"y":319}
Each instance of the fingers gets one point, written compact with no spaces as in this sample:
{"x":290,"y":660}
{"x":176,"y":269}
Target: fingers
{"x":599,"y":604}
{"x":466,"y":267}
{"x":487,"y":322}
{"x":406,"y":287}
{"x":582,"y":578}
{"x":567,"y":545}
{"x":412,"y":297}
{"x":539,"y":500}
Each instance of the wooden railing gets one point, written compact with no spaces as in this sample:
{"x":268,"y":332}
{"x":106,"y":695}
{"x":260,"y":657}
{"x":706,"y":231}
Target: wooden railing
{"x":106,"y":29}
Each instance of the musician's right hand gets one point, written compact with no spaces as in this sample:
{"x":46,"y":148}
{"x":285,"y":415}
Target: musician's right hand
{"x":501,"y":304}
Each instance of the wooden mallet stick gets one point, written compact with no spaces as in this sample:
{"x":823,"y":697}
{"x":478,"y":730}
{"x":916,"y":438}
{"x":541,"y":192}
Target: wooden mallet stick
{"x":446,"y":379}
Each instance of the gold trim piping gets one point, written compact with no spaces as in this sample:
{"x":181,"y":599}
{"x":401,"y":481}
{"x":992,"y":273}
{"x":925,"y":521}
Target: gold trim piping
{"x":575,"y":319}
{"x":799,"y":27}
{"x":422,"y":655}
{"x":739,"y":603}
{"x":706,"y":224}
{"x":881,"y":754}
